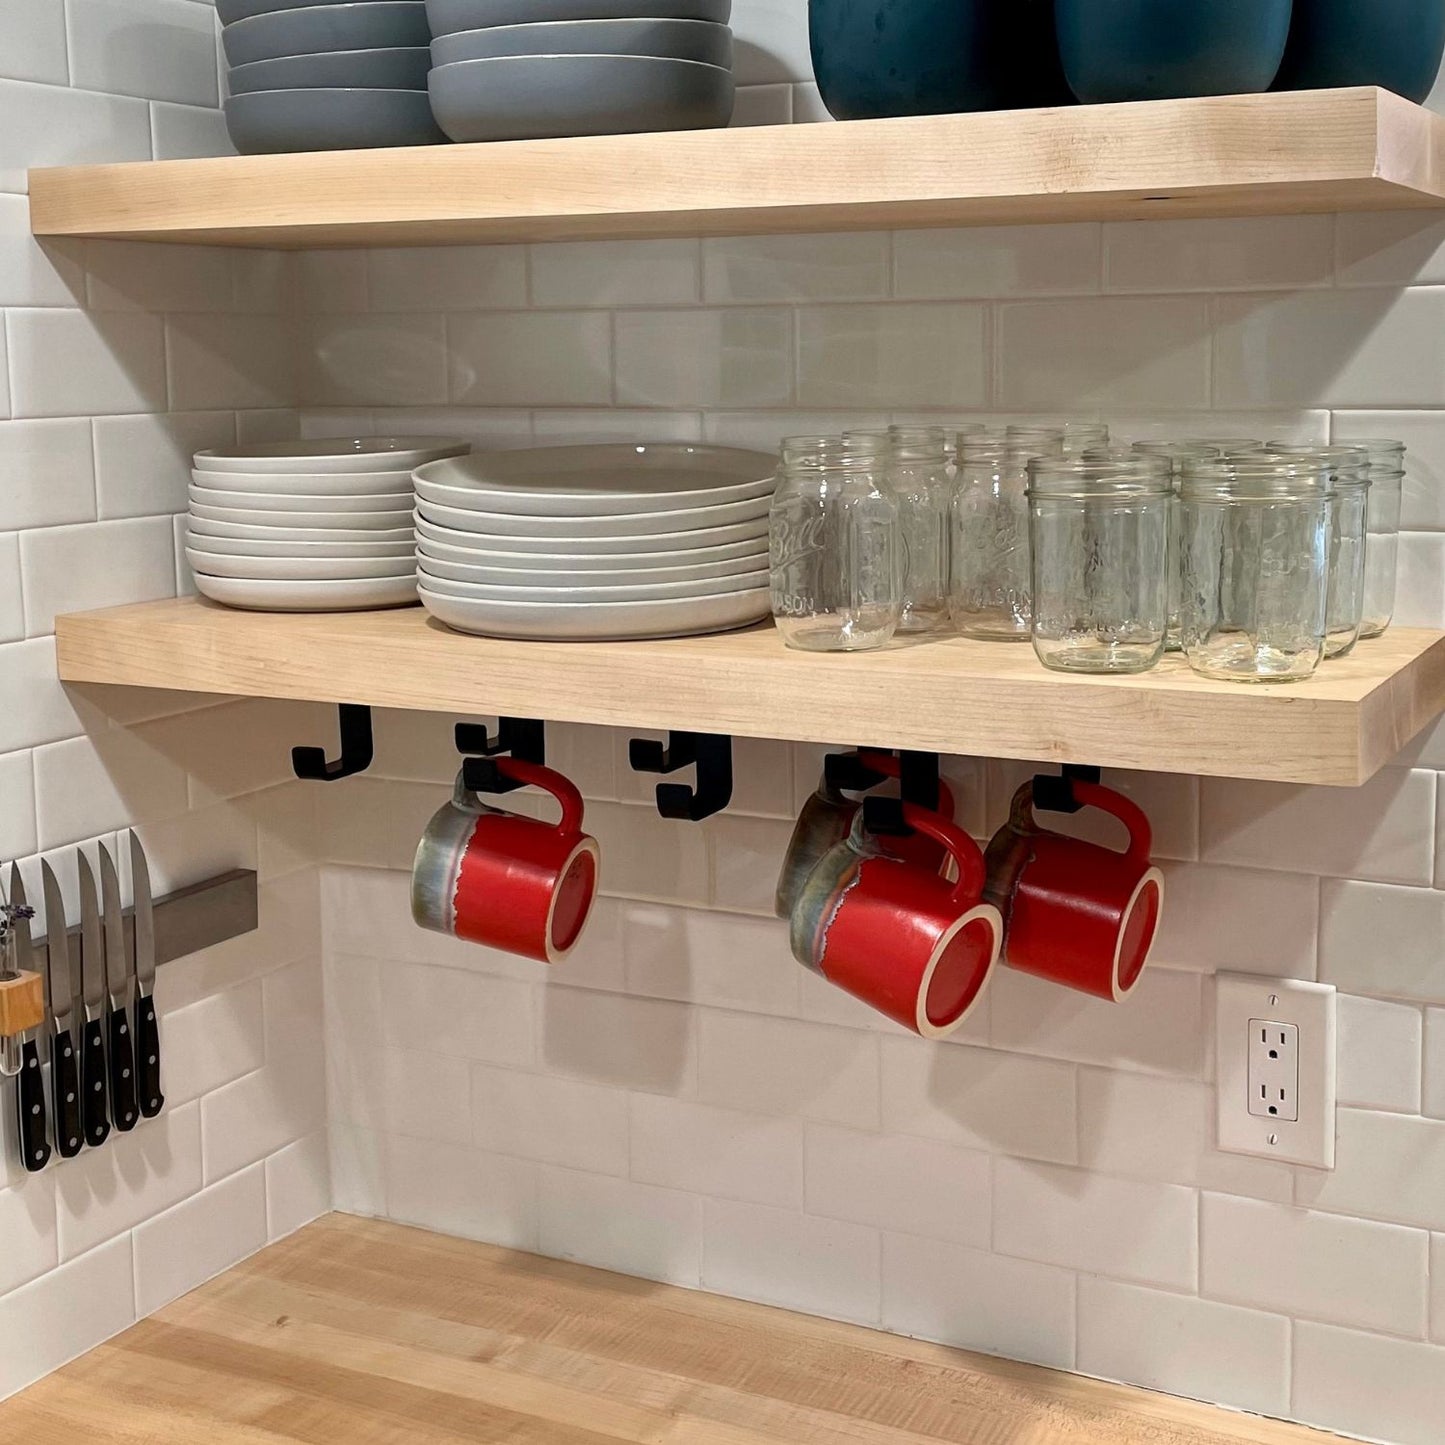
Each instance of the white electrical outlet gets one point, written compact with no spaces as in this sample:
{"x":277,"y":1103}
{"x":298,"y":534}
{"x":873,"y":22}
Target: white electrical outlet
{"x":1275,"y":1068}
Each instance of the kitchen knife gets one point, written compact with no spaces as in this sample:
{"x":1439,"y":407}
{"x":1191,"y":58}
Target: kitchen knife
{"x":30,"y":1082}
{"x":64,"y":1037}
{"x":147,"y":1030}
{"x":119,"y":1045}
{"x":94,"y":1095}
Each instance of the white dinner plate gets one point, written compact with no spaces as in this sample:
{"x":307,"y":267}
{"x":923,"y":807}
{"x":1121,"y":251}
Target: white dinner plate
{"x":333,"y":454}
{"x":255,"y":517}
{"x":524,"y":576}
{"x":598,"y":621}
{"x":565,"y":530}
{"x":299,"y":502}
{"x":205,"y":527}
{"x":299,"y":569}
{"x":311,"y":484}
{"x":751,"y":533}
{"x":271,"y":596}
{"x":601,"y":480}
{"x":497,"y":555}
{"x":627,"y":592}
{"x":403,"y":550}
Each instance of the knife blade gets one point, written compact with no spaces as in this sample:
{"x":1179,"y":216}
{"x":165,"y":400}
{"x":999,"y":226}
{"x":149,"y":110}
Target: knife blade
{"x":64,"y":1039}
{"x":120,"y":1051}
{"x":30,"y":1083}
{"x":95,"y":1096}
{"x":147,"y":1030}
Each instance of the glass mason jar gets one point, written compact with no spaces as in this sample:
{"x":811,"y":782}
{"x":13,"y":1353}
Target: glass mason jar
{"x":833,"y":545}
{"x":916,"y":475}
{"x":1036,"y":441}
{"x":1083,"y":436}
{"x":1382,"y":533}
{"x":1254,"y":566}
{"x":989,"y":582}
{"x":1099,"y":537}
{"x":1350,"y":467}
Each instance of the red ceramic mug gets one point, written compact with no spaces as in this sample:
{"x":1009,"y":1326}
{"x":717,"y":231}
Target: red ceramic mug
{"x":505,"y":880}
{"x":1080,"y":914}
{"x":896,"y":935}
{"x":824,"y":823}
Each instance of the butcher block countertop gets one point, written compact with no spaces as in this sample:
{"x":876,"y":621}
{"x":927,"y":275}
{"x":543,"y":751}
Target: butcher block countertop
{"x":358,"y":1331}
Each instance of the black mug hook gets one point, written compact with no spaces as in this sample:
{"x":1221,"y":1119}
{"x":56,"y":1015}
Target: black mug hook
{"x":354,"y":720}
{"x":710,"y":753}
{"x":1055,"y":794}
{"x":524,"y":738}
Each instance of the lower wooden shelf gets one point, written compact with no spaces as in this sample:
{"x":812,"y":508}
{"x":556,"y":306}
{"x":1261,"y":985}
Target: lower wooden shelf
{"x":953,"y":696}
{"x":359,"y":1331}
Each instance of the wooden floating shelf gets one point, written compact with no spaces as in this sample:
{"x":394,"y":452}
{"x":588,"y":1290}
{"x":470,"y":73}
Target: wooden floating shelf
{"x":954,"y":696}
{"x":1307,"y":151}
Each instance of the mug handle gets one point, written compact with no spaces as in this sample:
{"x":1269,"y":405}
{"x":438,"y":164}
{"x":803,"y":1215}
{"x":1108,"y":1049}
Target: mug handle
{"x":534,"y":775}
{"x":959,"y":846}
{"x":1128,"y":812}
{"x":891,"y":767}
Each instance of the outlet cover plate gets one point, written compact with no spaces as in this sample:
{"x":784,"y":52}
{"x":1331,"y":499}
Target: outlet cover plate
{"x":1240,"y":998}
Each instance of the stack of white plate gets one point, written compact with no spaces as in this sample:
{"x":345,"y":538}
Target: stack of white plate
{"x":315,"y":526}
{"x":595,"y":542}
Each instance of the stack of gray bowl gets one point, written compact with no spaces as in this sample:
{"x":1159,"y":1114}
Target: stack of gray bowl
{"x":527,"y":69}
{"x":311,"y":75}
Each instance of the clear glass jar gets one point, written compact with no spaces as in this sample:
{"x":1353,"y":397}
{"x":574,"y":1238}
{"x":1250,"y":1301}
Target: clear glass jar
{"x":1036,"y":441}
{"x":1099,"y":537}
{"x":1350,"y":480}
{"x":1382,"y":533}
{"x":1254,"y":566}
{"x":1083,"y":436}
{"x":916,"y":474}
{"x":990,"y":583}
{"x":833,"y":544}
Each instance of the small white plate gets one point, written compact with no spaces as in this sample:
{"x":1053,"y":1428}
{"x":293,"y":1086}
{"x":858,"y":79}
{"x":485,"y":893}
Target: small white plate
{"x":299,"y":569}
{"x":565,"y":530}
{"x":322,"y":536}
{"x":300,"y":501}
{"x":403,"y":550}
{"x":254,"y":517}
{"x":309,"y":596}
{"x":312,"y":484}
{"x":598,"y":621}
{"x":497,"y":555}
{"x":525,"y":576}
{"x":333,"y":454}
{"x":627,"y":592}
{"x":752,"y":533}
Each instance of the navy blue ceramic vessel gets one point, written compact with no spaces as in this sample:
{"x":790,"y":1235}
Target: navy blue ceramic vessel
{"x":876,"y":58}
{"x":1393,"y":43}
{"x":1168,"y":49}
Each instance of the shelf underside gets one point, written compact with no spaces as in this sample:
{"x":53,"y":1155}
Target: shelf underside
{"x":1310,"y":151}
{"x":953,"y":696}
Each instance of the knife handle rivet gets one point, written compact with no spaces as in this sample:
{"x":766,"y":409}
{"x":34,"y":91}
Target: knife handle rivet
{"x":35,"y":1108}
{"x":34,"y":1063}
{"x":74,"y":1142}
{"x":125,"y":1074}
{"x":97,"y":1086}
{"x":122,"y":1028}
{"x":39,"y":1154}
{"x":151,"y":1059}
{"x":70,"y":1099}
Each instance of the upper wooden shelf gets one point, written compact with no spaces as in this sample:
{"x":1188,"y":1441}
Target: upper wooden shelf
{"x":952,"y":696}
{"x":1334,"y":150}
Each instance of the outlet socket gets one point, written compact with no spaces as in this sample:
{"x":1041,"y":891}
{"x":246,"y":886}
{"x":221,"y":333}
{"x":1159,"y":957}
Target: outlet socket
{"x":1275,"y":1068}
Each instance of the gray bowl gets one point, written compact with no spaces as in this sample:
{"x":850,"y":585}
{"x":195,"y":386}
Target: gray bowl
{"x":528,"y":97}
{"x":449,"y":16}
{"x":267,"y":121}
{"x":670,"y":39}
{"x":348,"y":69}
{"x":231,"y":11}
{"x":371,"y":25}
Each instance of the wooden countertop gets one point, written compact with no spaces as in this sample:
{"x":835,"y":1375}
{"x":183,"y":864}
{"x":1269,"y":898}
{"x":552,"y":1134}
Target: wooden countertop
{"x":358,"y":1331}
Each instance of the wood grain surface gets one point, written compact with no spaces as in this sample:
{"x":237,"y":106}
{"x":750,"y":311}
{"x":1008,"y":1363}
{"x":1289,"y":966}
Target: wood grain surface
{"x":358,"y":1332}
{"x":1307,"y":151}
{"x":951,"y":695}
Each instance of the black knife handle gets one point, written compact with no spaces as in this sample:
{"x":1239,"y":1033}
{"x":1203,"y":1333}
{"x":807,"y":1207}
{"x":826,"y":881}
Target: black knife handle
{"x":148,"y":1057}
{"x":30,"y":1095}
{"x":94,"y":1097}
{"x":65,"y":1079}
{"x":123,"y":1112}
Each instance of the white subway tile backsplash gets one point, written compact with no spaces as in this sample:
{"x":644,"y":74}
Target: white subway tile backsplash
{"x":1423,"y":432}
{"x":525,"y":358}
{"x":615,"y":273}
{"x":97,"y":564}
{"x":34,"y":273}
{"x":161,"y":49}
{"x":330,"y":281}
{"x":762,"y":105}
{"x":780,"y":1257}
{"x":187,"y":1245}
{"x":1421,"y":598}
{"x":1382,"y":940}
{"x":72,"y":363}
{"x":27,"y":1219}
{"x":902,"y":354}
{"x":136,"y":276}
{"x":217,"y":360}
{"x":770,"y":39}
{"x":42,"y":711}
{"x":298,"y":1186}
{"x":1127,"y":1229}
{"x":469,"y":1016}
{"x":53,"y":458}
{"x":1252,"y":253}
{"x":143,"y":463}
{"x":1184,"y":1345}
{"x":32,"y":40}
{"x":48,"y":125}
{"x":1368,"y":1385}
{"x":1379,"y":1054}
{"x":554,"y":1121}
{"x":1389,"y":1167}
{"x":978,"y":1301}
{"x":987,"y":261}
{"x":608,"y":1038}
{"x":12,"y":598}
{"x":100,"y":783}
{"x":1390,"y":248}
{"x":848,"y":267}
{"x":213,"y":1041}
{"x":347,"y":361}
{"x":1321,"y":1266}
{"x":17,"y":805}
{"x":461,"y":1191}
{"x":181,"y":132}
{"x":447,"y":278}
{"x":1434,"y":1081}
{"x":746,"y":853}
{"x":731,"y":358}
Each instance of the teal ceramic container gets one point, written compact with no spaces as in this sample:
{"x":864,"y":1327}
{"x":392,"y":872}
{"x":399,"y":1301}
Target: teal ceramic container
{"x":876,"y":58}
{"x":1168,"y":49}
{"x":1396,"y":44}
